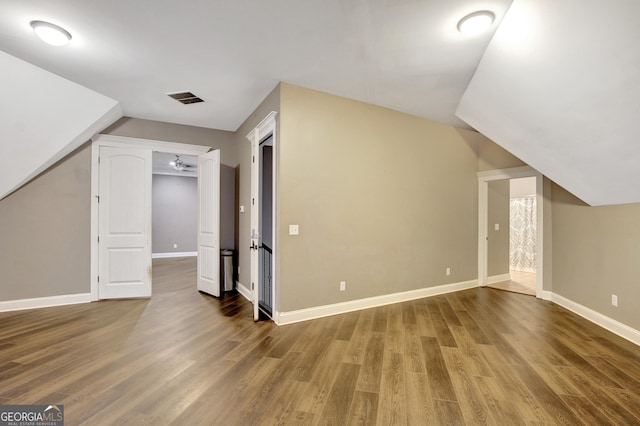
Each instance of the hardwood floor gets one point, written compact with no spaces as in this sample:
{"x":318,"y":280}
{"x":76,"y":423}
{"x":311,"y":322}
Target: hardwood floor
{"x":520,"y":282}
{"x":478,"y":356}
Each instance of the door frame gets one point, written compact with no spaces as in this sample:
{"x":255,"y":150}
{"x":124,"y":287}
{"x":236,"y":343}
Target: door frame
{"x":542,"y":187}
{"x":267,"y":127}
{"x":122,"y":142}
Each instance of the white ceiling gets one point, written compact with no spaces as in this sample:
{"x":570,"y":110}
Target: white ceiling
{"x":43,"y":118}
{"x":404,"y":54}
{"x":559,"y":87}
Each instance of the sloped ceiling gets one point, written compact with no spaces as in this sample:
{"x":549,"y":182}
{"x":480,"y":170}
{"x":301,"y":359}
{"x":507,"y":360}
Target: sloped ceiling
{"x":406,"y":55}
{"x":559,"y":87}
{"x":44,"y":118}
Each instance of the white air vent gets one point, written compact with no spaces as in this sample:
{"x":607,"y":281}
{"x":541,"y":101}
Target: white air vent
{"x":185,"y":97}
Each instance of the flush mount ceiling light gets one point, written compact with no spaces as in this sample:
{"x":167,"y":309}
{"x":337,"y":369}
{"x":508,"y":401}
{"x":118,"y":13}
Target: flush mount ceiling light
{"x":51,"y":33}
{"x":476,"y":22}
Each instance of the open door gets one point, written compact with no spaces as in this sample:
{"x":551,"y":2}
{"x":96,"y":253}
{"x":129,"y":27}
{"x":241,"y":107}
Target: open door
{"x":124,"y":227}
{"x":264,"y":130}
{"x":209,"y":223}
{"x":255,"y":223}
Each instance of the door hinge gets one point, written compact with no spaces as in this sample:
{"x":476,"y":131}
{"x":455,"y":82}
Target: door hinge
{"x":252,"y":286}
{"x":98,"y":278}
{"x":98,"y":238}
{"x":98,"y":198}
{"x":253,"y":201}
{"x":253,"y":159}
{"x":98,"y":160}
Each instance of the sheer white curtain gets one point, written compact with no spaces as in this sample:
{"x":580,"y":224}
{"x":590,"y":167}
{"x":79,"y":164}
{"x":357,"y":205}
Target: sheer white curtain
{"x":522,"y":256}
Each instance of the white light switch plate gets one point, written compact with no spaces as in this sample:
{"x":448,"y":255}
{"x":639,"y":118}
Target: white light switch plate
{"x":294,"y":230}
{"x":497,"y":227}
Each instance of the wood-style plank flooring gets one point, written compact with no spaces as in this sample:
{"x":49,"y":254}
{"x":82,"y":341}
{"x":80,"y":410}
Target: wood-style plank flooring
{"x":479,"y":356}
{"x":520,"y":282}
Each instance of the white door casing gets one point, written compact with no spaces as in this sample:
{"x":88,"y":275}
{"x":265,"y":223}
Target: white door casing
{"x":127,"y":143}
{"x":255,"y":223}
{"x":266,"y":127}
{"x":124,"y":211}
{"x":483,"y":229}
{"x":209,"y":223}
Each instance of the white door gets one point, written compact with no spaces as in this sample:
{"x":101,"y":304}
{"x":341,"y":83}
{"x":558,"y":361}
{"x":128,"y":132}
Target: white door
{"x":255,"y":223}
{"x":124,"y":230}
{"x":209,"y":223}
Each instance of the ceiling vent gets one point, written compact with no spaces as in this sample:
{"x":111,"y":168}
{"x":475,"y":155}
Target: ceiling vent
{"x":185,"y":97}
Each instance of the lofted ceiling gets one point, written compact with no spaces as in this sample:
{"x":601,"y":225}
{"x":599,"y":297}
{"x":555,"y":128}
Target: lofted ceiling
{"x":43,"y":118}
{"x":555,"y":83}
{"x":559,"y":87}
{"x":406,"y":55}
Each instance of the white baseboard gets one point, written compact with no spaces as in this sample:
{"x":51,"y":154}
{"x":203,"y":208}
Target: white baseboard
{"x":545,"y":295}
{"x":244,"y":291}
{"x":176,"y":254}
{"x":370,"y":302}
{"x":44,"y":302}
{"x":498,"y":278}
{"x":528,"y":270}
{"x":603,"y":321}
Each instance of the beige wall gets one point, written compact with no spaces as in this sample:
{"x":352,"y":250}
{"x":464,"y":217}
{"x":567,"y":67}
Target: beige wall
{"x":44,"y":232}
{"x":384,"y":200}
{"x":498,"y":213}
{"x":595,"y":254}
{"x":492,"y":156}
{"x":157,"y":130}
{"x":45,"y":226}
{"x":270,"y":103}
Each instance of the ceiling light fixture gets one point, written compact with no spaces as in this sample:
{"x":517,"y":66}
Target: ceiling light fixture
{"x":51,"y":33}
{"x":476,"y":22}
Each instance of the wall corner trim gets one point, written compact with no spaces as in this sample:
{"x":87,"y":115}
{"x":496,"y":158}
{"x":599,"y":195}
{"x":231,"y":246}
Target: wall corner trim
{"x":603,"y":321}
{"x":244,"y":291}
{"x":44,"y":302}
{"x":370,"y":302}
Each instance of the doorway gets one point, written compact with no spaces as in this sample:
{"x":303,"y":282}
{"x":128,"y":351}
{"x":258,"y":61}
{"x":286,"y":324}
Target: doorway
{"x":495,"y":185}
{"x":264,"y":272}
{"x":511,"y":246}
{"x":265,"y":247}
{"x":121,"y":168}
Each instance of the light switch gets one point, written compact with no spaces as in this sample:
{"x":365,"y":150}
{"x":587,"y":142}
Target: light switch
{"x":497,"y":227}
{"x":294,"y":230}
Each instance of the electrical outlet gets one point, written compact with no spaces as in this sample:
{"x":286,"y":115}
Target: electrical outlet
{"x":343,"y":285}
{"x":294,"y":230}
{"x":614,"y":300}
{"x":175,"y":246}
{"x":448,"y":271}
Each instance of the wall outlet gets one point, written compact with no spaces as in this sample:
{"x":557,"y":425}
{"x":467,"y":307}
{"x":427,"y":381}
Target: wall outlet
{"x":241,"y":209}
{"x":294,"y":230}
{"x":614,"y":300}
{"x":343,"y":285}
{"x":448,"y":271}
{"x":175,"y":246}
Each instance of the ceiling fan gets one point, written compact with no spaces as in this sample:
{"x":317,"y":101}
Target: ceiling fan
{"x":179,"y":165}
